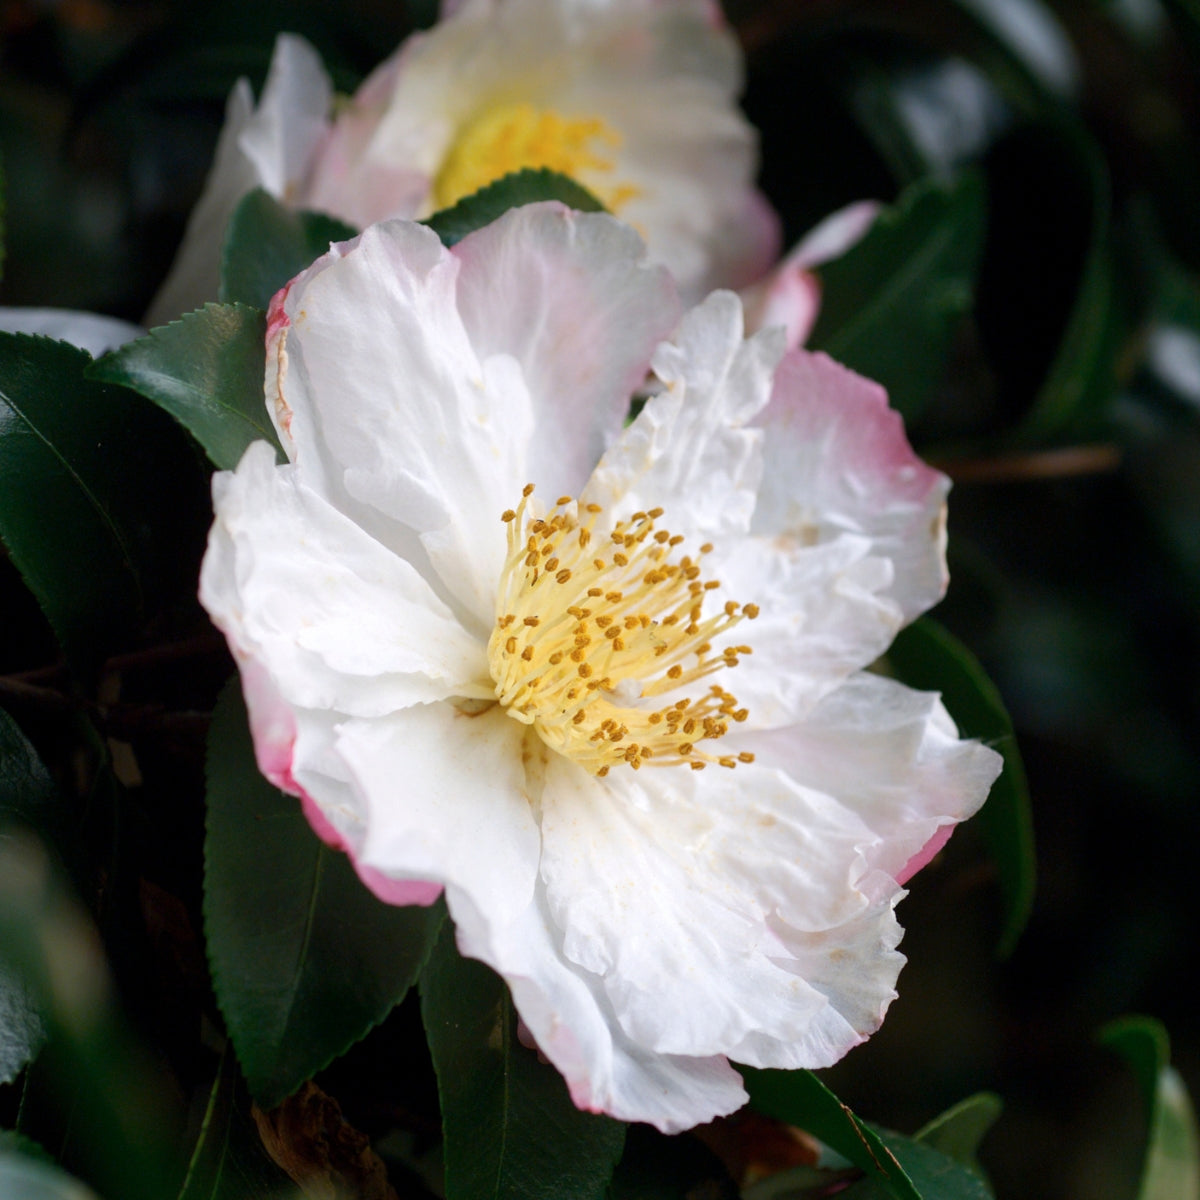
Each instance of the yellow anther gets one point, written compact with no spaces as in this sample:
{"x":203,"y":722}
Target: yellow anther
{"x":592,"y":698}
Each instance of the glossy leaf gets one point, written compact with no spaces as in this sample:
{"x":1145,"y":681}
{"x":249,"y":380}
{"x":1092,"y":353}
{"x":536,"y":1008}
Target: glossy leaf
{"x":1171,"y":1170}
{"x":521,"y":187}
{"x":800,"y":1098}
{"x":304,"y":959}
{"x":891,"y":304}
{"x":511,"y":1131}
{"x":228,"y":1161}
{"x":934,"y":1175}
{"x":928,"y":657}
{"x":959,"y":1130}
{"x":94,"y":484}
{"x":268,"y":244}
{"x":206,"y":370}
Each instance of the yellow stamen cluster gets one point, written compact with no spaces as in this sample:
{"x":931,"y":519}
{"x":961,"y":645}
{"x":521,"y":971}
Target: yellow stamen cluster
{"x":508,"y":137}
{"x":591,"y":630}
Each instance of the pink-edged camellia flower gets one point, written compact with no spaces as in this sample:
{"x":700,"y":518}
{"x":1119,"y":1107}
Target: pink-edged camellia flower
{"x":634,"y":99}
{"x":602,"y":682}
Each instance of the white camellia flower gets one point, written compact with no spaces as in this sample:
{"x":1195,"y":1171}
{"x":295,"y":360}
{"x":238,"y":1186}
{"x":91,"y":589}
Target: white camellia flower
{"x":603,"y":683}
{"x":634,"y":99}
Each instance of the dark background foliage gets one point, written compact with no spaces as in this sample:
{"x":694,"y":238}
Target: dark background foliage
{"x":1060,"y":389}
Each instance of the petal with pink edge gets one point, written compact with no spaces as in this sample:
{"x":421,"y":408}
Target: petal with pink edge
{"x":790,"y":295}
{"x":836,"y":461}
{"x":692,"y":893}
{"x":889,"y":754}
{"x":388,"y":412}
{"x":444,"y":797}
{"x":335,"y":619}
{"x":571,"y":1020}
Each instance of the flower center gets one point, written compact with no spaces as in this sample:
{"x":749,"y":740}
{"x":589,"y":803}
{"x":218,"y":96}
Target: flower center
{"x":511,"y":136}
{"x":594,"y":635}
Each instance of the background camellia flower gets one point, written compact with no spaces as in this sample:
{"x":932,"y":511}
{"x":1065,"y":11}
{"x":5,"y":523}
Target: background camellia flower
{"x":634,"y":99}
{"x":604,"y":685}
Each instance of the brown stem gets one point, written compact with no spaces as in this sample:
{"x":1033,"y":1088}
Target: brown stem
{"x":1033,"y":465}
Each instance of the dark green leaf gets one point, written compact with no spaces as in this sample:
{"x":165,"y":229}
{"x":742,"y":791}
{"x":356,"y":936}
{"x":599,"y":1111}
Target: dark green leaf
{"x":206,"y":370}
{"x":511,"y":1131}
{"x":122,"y":1119}
{"x":3,"y":230}
{"x":93,"y":486}
{"x":1054,"y":353}
{"x":304,"y":959}
{"x":1171,"y":1170}
{"x":934,"y":1175}
{"x":800,"y":1098}
{"x":268,"y":244}
{"x":891,"y":304}
{"x":521,"y":187}
{"x":959,"y":1130}
{"x":927,"y":657}
{"x":229,"y":1162}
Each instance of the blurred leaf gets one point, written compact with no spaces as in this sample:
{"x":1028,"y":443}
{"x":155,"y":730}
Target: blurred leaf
{"x":1029,"y":34}
{"x":1171,"y":1170}
{"x":891,"y":304}
{"x":304,"y":959}
{"x":228,"y":1161}
{"x":1048,"y":312}
{"x":511,"y":1131}
{"x":206,"y":370}
{"x":959,"y":1130}
{"x":801,"y":1099}
{"x":521,"y":187}
{"x":268,"y":244}
{"x":122,"y":1119}
{"x":27,"y":795}
{"x":936,"y":1176}
{"x":93,"y":489}
{"x":25,"y":1176}
{"x":926,"y":656}
{"x":3,"y":230}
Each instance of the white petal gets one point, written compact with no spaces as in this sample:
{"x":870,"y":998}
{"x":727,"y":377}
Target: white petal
{"x":663,"y":75}
{"x":336,"y":620}
{"x":888,"y":753}
{"x":444,"y":798}
{"x":581,"y":313}
{"x":689,"y":450}
{"x":292,"y":117}
{"x":835,"y":461}
{"x":710,"y":901}
{"x":573,"y":1024}
{"x":386,"y":409}
{"x":824,"y":614}
{"x":267,"y":147}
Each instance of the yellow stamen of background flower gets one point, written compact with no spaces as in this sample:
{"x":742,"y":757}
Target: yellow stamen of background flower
{"x":512,"y":136}
{"x":593,"y":633}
